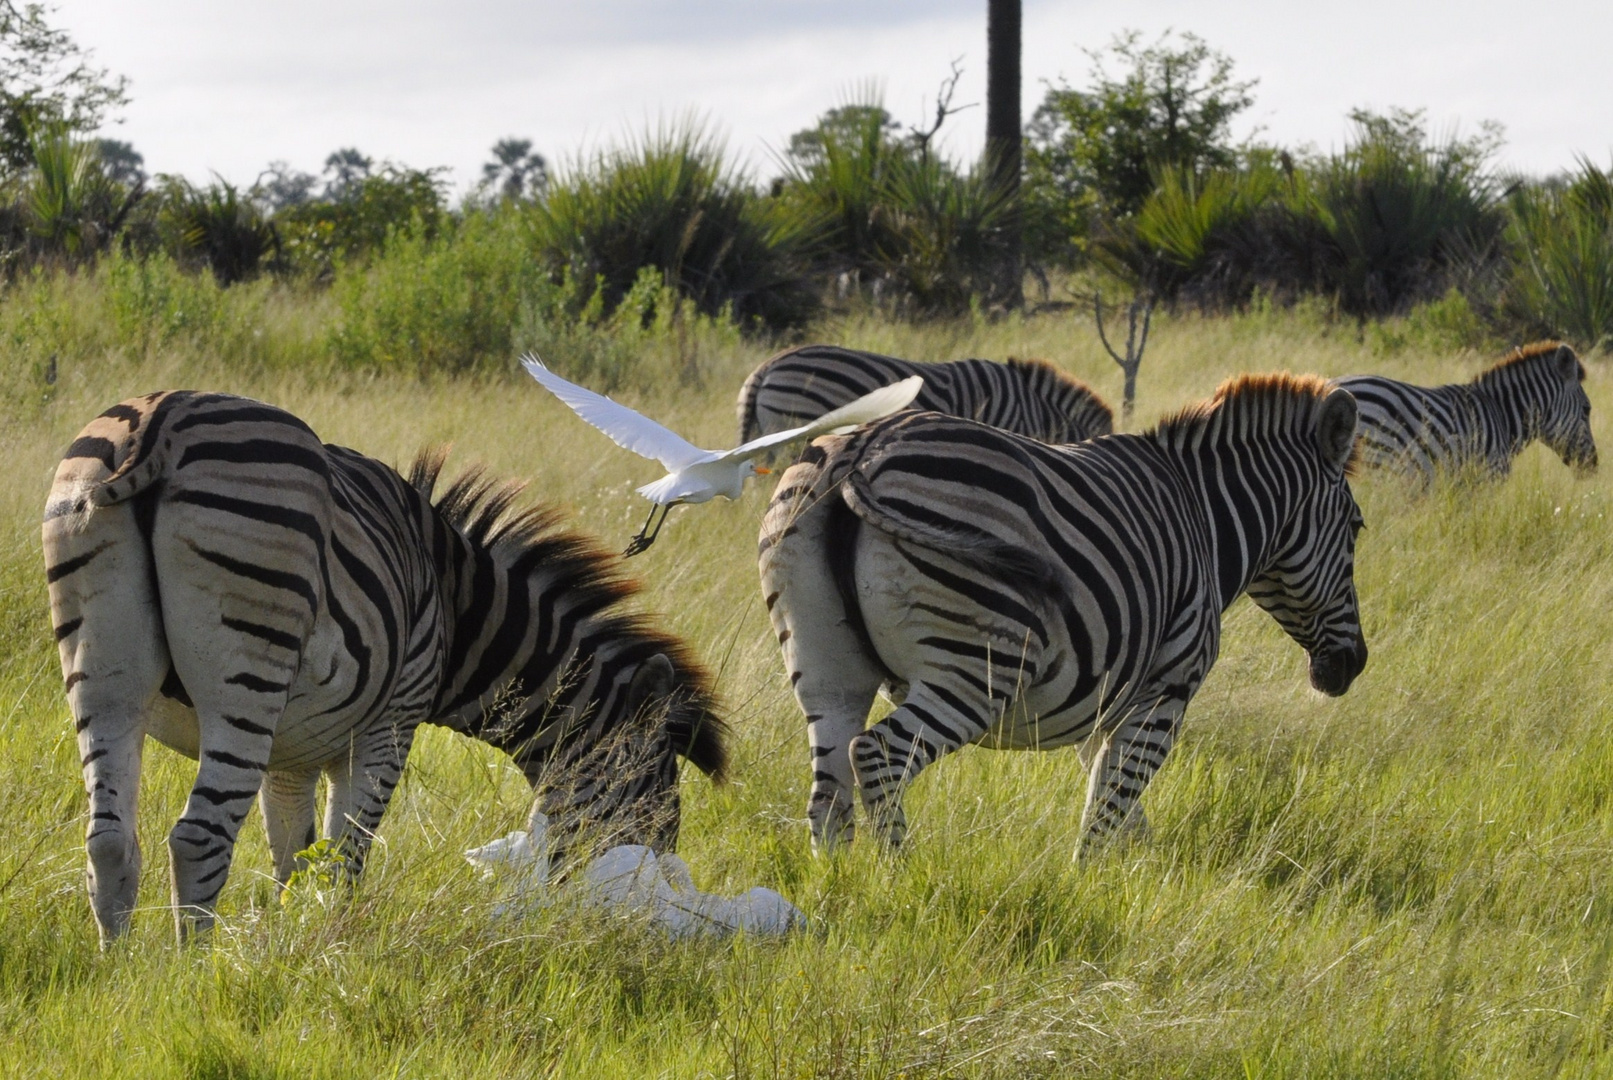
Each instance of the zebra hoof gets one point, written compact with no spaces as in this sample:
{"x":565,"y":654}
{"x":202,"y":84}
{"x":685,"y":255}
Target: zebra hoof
{"x":830,"y":817}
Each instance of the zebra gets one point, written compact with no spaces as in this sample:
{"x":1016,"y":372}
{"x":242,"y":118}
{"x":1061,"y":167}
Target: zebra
{"x":1025,"y":596}
{"x":277,"y":608}
{"x":1030,"y":397}
{"x":1536,"y":392}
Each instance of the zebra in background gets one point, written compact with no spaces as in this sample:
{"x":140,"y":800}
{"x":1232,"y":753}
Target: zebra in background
{"x":1537,"y":392}
{"x":1026,"y":596}
{"x":277,"y":608}
{"x":1029,"y":397}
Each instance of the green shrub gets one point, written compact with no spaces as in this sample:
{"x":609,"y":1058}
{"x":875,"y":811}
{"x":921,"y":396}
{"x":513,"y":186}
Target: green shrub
{"x":943,"y":251}
{"x":67,"y":208}
{"x":669,"y":201}
{"x":1561,"y":283}
{"x":1446,"y":325}
{"x":214,"y":228}
{"x":318,"y":234}
{"x":1401,"y":216}
{"x":436,"y":303}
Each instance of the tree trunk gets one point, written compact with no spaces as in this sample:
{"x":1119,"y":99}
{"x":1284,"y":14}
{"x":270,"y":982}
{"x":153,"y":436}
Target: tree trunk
{"x":1004,"y":134}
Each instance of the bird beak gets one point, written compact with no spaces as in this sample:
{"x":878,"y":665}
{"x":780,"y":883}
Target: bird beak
{"x":761,"y":470}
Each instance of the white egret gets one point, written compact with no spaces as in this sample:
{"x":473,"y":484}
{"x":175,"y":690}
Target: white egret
{"x":695,"y":475}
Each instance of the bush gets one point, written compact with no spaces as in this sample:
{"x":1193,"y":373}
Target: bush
{"x":1561,"y":283}
{"x":67,"y":208}
{"x":355,"y":226}
{"x":1401,"y":217}
{"x":669,"y":201}
{"x":214,"y":228}
{"x":909,"y":226}
{"x":444,"y":302}
{"x":943,"y":249}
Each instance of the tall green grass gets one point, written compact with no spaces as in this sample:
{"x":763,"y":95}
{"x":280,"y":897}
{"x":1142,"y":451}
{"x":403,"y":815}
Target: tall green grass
{"x":1407,"y":881}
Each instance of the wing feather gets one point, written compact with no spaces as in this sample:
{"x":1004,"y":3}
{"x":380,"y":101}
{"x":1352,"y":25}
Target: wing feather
{"x":626,"y":428}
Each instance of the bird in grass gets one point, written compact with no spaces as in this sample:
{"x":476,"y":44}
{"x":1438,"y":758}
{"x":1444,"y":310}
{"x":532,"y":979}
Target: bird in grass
{"x":695,"y":475}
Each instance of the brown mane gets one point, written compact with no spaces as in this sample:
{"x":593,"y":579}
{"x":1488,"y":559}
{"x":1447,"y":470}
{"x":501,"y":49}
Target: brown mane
{"x":1523,"y":354}
{"x":1245,"y":391}
{"x":1079,"y":386}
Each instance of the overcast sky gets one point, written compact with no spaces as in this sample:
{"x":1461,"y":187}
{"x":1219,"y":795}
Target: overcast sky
{"x":229,"y":87}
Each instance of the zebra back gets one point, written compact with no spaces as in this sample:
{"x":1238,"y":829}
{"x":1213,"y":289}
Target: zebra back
{"x":1029,"y":397}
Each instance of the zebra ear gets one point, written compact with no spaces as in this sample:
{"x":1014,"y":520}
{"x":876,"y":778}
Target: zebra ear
{"x":1335,"y":428}
{"x":1568,"y":365}
{"x":652,"y":681}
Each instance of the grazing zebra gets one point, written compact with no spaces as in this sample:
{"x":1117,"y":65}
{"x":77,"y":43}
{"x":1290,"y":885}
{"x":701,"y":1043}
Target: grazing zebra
{"x":276,"y":608}
{"x":1029,"y":397}
{"x":1027,"y":596}
{"x":1535,"y":393}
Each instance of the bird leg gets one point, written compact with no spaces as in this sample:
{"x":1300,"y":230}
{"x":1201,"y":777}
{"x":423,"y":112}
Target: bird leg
{"x":641,"y":543}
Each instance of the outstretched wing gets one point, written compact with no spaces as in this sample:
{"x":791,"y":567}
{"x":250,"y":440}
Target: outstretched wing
{"x":871,"y":406}
{"x":628,"y":429}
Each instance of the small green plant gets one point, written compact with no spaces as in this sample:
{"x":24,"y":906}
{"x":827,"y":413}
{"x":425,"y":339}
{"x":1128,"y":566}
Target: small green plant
{"x":322,"y":871}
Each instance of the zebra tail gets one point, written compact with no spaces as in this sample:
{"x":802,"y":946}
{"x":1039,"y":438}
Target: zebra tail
{"x":131,"y":478}
{"x":749,"y":427}
{"x":1001,"y":559}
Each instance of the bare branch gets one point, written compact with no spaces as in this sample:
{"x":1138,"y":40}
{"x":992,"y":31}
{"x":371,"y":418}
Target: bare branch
{"x":1097,"y":303}
{"x":943,"y":109}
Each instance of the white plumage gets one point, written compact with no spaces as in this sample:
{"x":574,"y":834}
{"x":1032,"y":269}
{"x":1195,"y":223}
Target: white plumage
{"x":695,"y":475}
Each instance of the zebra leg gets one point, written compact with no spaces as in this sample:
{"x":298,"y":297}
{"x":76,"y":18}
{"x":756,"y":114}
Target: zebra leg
{"x":287,"y":802}
{"x":112,"y":776}
{"x":1121,"y":769}
{"x":235,"y":742}
{"x":110,"y":639}
{"x":887,"y":757}
{"x":361,"y":786}
{"x":833,"y":677}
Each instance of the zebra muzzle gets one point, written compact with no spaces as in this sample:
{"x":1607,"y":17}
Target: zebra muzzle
{"x":1334,"y":670}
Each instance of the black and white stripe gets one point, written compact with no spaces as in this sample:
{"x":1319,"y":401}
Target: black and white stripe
{"x":1028,"y":397}
{"x":278,"y":608}
{"x":1020,"y":595}
{"x":1535,"y":393}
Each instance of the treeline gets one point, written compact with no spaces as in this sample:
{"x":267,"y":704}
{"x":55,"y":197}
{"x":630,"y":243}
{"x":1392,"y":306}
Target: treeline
{"x":1132,"y":182}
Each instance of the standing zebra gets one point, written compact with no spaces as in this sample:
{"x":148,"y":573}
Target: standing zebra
{"x":1028,"y":596}
{"x":1537,"y":392}
{"x":1028,"y":397}
{"x":276,"y":608}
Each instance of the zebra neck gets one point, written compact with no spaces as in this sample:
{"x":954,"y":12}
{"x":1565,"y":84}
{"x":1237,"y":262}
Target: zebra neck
{"x":1245,"y":494}
{"x":1509,"y":411}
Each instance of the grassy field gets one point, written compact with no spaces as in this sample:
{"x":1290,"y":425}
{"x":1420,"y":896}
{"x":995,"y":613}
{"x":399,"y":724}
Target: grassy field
{"x":1407,"y":881}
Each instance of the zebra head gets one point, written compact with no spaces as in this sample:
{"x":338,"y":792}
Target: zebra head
{"x":1308,"y":584}
{"x":1565,"y":420}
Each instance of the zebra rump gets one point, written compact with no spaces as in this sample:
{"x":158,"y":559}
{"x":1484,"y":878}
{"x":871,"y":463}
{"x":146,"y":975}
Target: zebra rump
{"x":1028,"y":397}
{"x":1536,"y":392}
{"x":280,"y":609}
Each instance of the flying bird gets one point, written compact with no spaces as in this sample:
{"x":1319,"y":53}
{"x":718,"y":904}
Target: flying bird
{"x":695,"y":475}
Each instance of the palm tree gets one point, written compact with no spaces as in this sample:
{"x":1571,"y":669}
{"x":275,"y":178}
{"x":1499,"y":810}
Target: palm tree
{"x":1003,"y":131}
{"x":515,"y":170}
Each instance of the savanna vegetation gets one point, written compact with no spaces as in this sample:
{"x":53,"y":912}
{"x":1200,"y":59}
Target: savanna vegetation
{"x":1406,"y":881}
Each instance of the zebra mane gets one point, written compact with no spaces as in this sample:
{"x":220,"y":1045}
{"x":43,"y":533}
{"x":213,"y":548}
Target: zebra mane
{"x":1077,"y":388}
{"x":1249,"y":404}
{"x":1522,"y":355}
{"x":480,"y":510}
